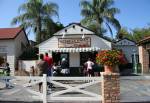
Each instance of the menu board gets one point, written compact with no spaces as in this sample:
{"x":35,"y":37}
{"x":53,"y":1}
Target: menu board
{"x":74,"y":42}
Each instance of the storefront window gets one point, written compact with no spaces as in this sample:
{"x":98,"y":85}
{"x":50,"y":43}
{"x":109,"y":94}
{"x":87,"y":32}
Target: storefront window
{"x":85,"y":55}
{"x":57,"y":57}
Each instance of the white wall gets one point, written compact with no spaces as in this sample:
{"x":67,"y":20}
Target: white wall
{"x":75,"y":31}
{"x":53,"y":42}
{"x":74,"y":59}
{"x":26,"y":64}
{"x":10,"y":51}
{"x":21,"y":38}
{"x":47,"y":45}
{"x":100,"y":42}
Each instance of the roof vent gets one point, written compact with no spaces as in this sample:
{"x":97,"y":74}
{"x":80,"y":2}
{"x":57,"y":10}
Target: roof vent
{"x":73,"y":26}
{"x":65,"y":30}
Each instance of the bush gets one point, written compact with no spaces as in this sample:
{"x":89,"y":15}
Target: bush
{"x":29,"y":54}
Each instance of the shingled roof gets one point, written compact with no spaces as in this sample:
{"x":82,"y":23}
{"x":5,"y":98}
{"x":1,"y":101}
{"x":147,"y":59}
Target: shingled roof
{"x":9,"y":33}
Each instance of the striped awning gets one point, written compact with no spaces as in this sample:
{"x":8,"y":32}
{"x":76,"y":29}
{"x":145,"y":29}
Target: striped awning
{"x":88,"y":49}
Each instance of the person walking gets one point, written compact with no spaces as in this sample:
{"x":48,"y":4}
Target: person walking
{"x":96,"y":69}
{"x":49,"y":60}
{"x":41,"y":67}
{"x":7,"y":73}
{"x":89,"y":65}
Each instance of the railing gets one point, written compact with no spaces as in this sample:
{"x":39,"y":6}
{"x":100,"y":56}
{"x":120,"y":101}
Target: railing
{"x":65,"y":88}
{"x":20,"y":84}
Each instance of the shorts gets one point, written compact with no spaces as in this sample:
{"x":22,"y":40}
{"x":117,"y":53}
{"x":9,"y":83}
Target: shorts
{"x":90,"y":71}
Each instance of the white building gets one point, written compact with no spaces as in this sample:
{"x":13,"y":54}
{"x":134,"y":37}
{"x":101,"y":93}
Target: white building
{"x":76,"y":43}
{"x":129,"y":48}
{"x":12,"y":43}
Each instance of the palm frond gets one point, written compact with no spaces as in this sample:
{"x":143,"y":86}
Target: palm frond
{"x":114,"y":22}
{"x":109,"y":29}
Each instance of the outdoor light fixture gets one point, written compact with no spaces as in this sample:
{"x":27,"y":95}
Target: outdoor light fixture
{"x":83,"y":36}
{"x":63,"y":35}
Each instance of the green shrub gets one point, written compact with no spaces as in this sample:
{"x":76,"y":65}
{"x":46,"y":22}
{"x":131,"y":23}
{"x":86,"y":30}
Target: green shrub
{"x":29,"y":54}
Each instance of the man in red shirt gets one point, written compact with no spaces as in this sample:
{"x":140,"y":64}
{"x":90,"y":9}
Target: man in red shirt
{"x":49,"y":60}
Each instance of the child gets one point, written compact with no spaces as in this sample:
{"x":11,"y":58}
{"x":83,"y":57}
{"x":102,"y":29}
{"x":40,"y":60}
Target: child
{"x":7,"y":73}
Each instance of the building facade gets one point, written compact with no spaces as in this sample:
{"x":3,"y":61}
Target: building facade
{"x":129,"y":48}
{"x":144,"y":54}
{"x":12,"y":43}
{"x":76,"y":43}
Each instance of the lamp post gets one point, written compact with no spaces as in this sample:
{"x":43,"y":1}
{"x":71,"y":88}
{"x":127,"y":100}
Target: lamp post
{"x":134,"y":61}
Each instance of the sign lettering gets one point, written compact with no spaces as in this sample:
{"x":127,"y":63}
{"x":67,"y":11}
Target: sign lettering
{"x":74,"y":42}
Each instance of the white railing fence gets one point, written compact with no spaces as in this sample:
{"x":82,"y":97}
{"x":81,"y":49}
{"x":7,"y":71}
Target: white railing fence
{"x":20,"y":84}
{"x":63,"y":88}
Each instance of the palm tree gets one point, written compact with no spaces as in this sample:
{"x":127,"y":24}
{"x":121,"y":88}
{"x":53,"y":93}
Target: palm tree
{"x":123,"y":33}
{"x":100,"y":13}
{"x":34,"y":15}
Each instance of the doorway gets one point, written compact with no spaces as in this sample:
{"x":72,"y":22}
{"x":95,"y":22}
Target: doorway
{"x":57,"y":57}
{"x":85,"y":55}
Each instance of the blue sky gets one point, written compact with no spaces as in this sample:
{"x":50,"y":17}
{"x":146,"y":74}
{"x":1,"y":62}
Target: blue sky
{"x":134,"y":13}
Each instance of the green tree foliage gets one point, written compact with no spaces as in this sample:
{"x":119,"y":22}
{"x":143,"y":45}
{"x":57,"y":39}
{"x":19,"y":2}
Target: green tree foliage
{"x":139,"y":34}
{"x":136,"y":34}
{"x":36,"y":15}
{"x":30,"y":54}
{"x":98,"y":13}
{"x":123,"y":33}
{"x":50,"y":29}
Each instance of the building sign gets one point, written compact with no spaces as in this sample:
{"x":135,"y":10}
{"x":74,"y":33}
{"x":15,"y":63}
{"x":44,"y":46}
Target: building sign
{"x":74,"y":42}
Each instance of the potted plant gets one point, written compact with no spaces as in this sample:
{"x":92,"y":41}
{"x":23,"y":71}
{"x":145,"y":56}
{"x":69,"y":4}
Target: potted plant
{"x":110,"y":59}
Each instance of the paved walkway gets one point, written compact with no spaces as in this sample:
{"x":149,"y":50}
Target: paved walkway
{"x":132,"y":91}
{"x":23,"y":95}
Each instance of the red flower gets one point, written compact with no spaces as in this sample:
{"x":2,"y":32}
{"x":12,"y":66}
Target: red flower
{"x":110,"y":57}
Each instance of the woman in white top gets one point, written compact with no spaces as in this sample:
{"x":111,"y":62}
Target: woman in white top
{"x":89,"y":65}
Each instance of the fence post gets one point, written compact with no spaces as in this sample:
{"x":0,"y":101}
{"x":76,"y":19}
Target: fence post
{"x":110,"y":88}
{"x":44,"y":88}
